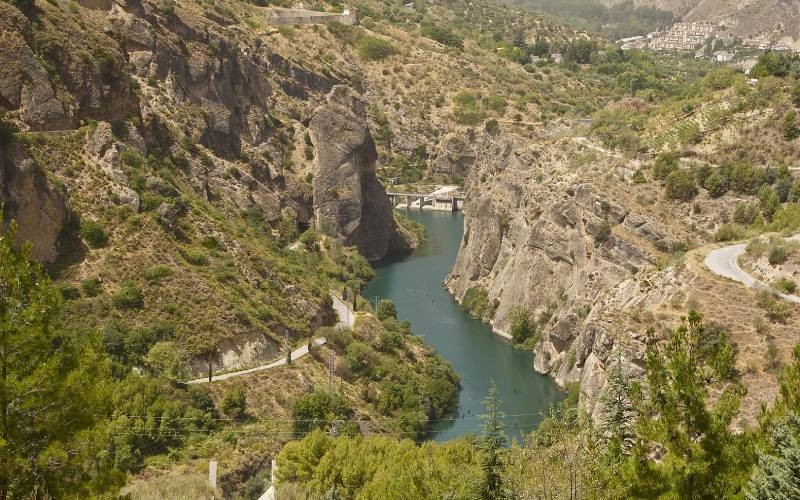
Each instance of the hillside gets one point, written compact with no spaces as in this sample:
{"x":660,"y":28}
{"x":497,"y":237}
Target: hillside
{"x":198,"y":180}
{"x":774,"y":21}
{"x":180,"y":167}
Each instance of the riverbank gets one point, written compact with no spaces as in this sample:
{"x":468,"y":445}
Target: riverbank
{"x":500,"y":333}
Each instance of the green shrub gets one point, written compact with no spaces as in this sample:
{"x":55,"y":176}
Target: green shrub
{"x":521,"y":328}
{"x":360,"y":359}
{"x":443,"y":35}
{"x":318,"y":410}
{"x":492,"y":127}
{"x":476,"y":302}
{"x":790,"y":128}
{"x":786,"y":285}
{"x":729,"y":232}
{"x":467,"y":109}
{"x":716,"y":184}
{"x":796,"y":94}
{"x":639,"y":178}
{"x":93,"y":234}
{"x":386,"y":310}
{"x":210,"y":242}
{"x":372,"y":48}
{"x":132,"y":158}
{"x":769,"y":200}
{"x":664,"y":165}
{"x":745,"y":213}
{"x":157,"y":272}
{"x":745,"y":178}
{"x":234,"y":403}
{"x":680,"y":186}
{"x":777,"y":255}
{"x":774,"y":308}
{"x":494,"y":102}
{"x":196,"y":257}
{"x":389,"y":341}
{"x":128,"y":296}
{"x":603,"y":233}
{"x":69,"y":291}
{"x":91,"y":287}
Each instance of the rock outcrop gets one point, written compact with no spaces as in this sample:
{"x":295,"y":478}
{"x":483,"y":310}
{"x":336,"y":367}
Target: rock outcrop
{"x":28,"y":198}
{"x":349,"y":202}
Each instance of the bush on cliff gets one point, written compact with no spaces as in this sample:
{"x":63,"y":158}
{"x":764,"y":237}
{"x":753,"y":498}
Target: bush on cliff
{"x":476,"y":302}
{"x":521,"y":328}
{"x":372,"y":48}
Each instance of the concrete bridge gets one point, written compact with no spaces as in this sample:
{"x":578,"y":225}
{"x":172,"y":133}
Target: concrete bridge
{"x":445,"y":198}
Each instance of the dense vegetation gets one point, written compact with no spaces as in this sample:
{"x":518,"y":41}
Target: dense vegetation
{"x":78,"y":417}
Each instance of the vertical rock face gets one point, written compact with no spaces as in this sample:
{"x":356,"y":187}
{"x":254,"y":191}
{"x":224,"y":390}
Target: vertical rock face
{"x":28,"y":198}
{"x":349,"y":202}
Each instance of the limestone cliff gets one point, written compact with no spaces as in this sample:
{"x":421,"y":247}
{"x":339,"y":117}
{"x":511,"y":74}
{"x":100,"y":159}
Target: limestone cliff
{"x":550,"y":238}
{"x":349,"y":202}
{"x":28,"y":197}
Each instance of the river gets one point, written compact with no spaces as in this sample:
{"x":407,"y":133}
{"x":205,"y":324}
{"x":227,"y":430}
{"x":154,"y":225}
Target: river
{"x":413,"y":282}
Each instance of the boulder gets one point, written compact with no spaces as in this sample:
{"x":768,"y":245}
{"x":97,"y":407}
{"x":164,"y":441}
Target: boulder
{"x":349,"y":202}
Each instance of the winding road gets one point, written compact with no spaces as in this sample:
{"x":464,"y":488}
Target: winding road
{"x":725,"y":262}
{"x":347,"y":318}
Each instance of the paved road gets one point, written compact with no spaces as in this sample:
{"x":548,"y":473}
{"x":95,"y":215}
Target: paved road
{"x":724,"y":262}
{"x":296,"y":354}
{"x":347,"y":318}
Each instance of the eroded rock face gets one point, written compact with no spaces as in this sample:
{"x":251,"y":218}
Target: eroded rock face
{"x":536,"y":236}
{"x":349,"y":202}
{"x":39,"y":210}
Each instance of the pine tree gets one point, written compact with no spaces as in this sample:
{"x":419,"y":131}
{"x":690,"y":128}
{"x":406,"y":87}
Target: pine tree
{"x":702,"y":458}
{"x":54,"y":387}
{"x":493,"y":441}
{"x":777,"y":474}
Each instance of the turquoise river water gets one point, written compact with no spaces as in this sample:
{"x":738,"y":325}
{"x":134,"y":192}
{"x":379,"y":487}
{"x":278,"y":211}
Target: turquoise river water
{"x":414,"y":284}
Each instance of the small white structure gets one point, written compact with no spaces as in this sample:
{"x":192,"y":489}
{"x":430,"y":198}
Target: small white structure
{"x":557,"y":57}
{"x":212,"y":473}
{"x":723,"y":56}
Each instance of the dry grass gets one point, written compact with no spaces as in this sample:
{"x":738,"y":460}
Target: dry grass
{"x":181,"y":483}
{"x":733,"y":305}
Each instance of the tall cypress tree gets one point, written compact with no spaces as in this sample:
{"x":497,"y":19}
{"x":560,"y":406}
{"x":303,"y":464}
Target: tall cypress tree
{"x":493,"y":441}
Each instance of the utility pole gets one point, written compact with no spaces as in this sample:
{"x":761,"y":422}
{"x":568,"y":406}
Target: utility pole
{"x":375,"y":300}
{"x":288,"y":349}
{"x":330,"y":373}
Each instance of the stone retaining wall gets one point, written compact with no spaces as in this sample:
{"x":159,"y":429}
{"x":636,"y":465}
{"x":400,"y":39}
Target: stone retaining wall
{"x":287,"y":17}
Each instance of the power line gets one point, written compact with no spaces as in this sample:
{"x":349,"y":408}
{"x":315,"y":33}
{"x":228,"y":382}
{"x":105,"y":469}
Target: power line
{"x":292,"y":420}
